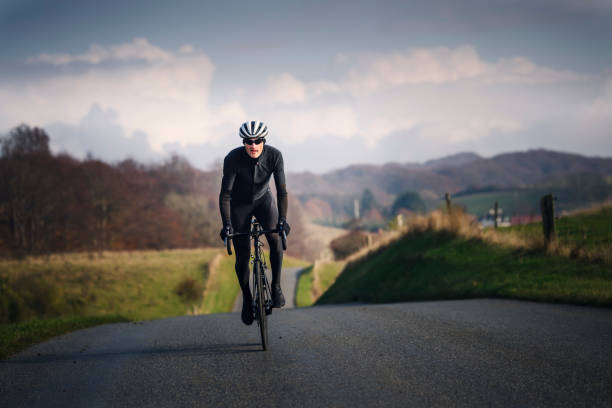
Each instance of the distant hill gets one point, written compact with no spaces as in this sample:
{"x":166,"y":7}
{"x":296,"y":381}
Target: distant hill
{"x":453,"y":173}
{"x":457,"y":159}
{"x":524,"y":169}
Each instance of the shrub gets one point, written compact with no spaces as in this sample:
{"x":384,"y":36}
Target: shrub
{"x":348,"y":244}
{"x":189,"y":290}
{"x":12,"y":306}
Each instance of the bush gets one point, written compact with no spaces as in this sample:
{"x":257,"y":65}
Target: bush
{"x":189,"y":290}
{"x":12,"y":305}
{"x":348,"y":244}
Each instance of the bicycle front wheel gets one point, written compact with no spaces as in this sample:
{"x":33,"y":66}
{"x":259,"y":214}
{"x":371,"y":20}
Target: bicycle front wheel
{"x":260,"y":305}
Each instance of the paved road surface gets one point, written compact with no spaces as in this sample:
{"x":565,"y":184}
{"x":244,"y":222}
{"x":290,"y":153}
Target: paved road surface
{"x":288,"y":284}
{"x":453,"y":353}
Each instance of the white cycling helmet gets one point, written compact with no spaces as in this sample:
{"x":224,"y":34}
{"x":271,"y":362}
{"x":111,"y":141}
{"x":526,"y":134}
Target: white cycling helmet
{"x":253,"y":130}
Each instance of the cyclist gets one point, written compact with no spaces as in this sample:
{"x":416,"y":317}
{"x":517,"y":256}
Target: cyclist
{"x":245,"y":193}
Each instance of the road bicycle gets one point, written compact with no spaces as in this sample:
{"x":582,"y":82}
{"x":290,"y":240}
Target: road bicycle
{"x":261,"y":293}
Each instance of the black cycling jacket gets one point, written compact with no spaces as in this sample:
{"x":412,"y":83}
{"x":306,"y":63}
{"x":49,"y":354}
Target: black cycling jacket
{"x":246,"y":179}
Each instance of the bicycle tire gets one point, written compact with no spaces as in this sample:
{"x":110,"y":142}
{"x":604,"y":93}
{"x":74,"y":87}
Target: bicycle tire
{"x":260,"y":305}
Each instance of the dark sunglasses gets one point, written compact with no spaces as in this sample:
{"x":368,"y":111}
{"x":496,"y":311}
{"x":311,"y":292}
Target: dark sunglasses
{"x":256,"y":141}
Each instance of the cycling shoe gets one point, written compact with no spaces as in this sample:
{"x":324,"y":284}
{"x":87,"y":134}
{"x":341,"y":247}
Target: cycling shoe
{"x":278,"y":300}
{"x":247,"y":313}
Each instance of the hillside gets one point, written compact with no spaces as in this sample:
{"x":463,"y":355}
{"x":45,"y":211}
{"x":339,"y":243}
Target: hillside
{"x":453,"y":173}
{"x":441,"y":265}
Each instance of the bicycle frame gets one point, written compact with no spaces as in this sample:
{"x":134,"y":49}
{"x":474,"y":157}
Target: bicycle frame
{"x":258,"y":258}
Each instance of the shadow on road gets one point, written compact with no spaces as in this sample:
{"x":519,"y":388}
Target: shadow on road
{"x":186,"y":351}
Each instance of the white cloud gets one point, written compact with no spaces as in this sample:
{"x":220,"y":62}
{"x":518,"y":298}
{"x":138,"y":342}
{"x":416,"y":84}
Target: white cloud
{"x":285,"y":88}
{"x":433,"y":98}
{"x":166,"y":98}
{"x":443,"y":95}
{"x":138,"y":49}
{"x":370,"y":73}
{"x":427,"y":65}
{"x":298,"y":125}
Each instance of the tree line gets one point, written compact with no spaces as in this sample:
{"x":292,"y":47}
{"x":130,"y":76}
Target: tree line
{"x":55,"y":203}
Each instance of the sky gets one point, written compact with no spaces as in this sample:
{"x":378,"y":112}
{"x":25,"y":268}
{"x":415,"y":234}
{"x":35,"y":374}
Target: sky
{"x":337,"y":82}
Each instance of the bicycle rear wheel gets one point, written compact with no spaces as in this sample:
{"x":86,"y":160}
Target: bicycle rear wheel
{"x":260,"y":305}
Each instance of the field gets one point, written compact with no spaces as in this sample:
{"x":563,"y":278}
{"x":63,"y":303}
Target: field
{"x":527,"y":201}
{"x":136,"y":285}
{"x":587,"y":233}
{"x":523,"y":202}
{"x":46,"y":296}
{"x":442,"y":265}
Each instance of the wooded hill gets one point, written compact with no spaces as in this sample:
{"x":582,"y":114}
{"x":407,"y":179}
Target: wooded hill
{"x":56,"y":203}
{"x":584,"y":179}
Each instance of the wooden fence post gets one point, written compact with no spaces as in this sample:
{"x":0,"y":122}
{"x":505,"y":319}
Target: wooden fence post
{"x":447,"y":197}
{"x":495,"y":213}
{"x":547,"y":205}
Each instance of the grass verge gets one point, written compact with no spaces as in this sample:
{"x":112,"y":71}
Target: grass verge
{"x":315,"y":280}
{"x":19,"y":336}
{"x":304,"y":296}
{"x":325,"y":274}
{"x":426,"y":265}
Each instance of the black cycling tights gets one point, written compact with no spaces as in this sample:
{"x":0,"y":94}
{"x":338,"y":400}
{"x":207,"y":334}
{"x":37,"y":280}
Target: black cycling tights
{"x":264,"y":210}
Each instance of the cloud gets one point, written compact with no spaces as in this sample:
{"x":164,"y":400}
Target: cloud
{"x":301,"y":124}
{"x":403,"y":105}
{"x":138,"y":49}
{"x":100,"y":134}
{"x":433,"y":95}
{"x":369,"y":73}
{"x":162,"y":94}
{"x":285,"y":88}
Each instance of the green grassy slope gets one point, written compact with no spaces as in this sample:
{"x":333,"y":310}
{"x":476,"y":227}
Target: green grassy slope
{"x":304,"y":296}
{"x":43,"y":297}
{"x":591,"y":230}
{"x":440,"y":265}
{"x":137,"y":285}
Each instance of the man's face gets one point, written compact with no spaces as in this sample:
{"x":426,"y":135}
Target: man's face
{"x":255,"y":148}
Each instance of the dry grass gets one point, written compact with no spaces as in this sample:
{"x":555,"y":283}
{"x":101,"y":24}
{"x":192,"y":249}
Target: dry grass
{"x":464,"y":225}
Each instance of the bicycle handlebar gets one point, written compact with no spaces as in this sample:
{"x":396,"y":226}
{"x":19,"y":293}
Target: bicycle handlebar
{"x":228,"y":238}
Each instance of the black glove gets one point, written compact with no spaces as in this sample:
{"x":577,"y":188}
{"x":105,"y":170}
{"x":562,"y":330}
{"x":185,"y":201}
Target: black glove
{"x":225,"y":232}
{"x":283,"y":225}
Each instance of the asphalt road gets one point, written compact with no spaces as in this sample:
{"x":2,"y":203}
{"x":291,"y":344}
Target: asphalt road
{"x":451,"y":353}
